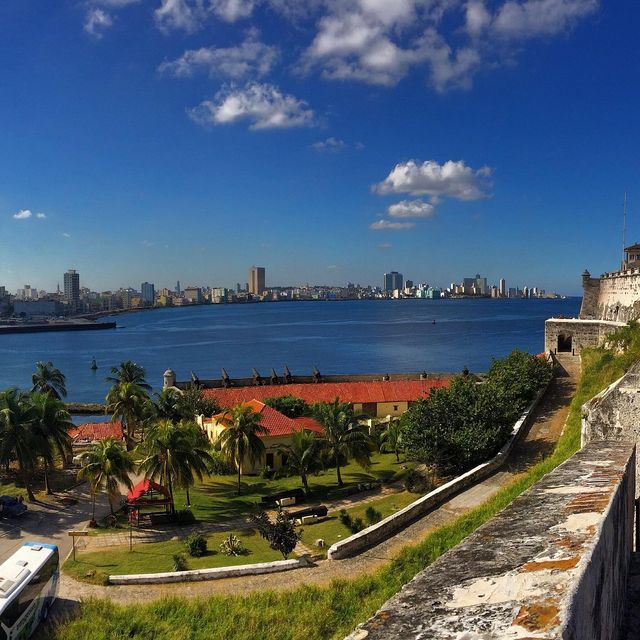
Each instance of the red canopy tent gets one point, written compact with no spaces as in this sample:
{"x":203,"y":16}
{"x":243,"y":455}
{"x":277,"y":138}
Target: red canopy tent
{"x":141,"y":495}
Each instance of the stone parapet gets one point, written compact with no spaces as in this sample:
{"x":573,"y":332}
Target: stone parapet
{"x":553,"y":564}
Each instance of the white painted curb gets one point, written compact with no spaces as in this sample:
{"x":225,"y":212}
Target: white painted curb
{"x":211,"y":574}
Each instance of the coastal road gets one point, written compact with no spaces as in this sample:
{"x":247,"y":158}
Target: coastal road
{"x":550,"y":417}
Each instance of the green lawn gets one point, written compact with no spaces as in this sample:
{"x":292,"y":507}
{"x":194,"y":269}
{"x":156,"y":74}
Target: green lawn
{"x":332,"y":530}
{"x":157,"y":557}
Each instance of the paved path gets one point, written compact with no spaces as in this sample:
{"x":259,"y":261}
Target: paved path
{"x":550,"y":418}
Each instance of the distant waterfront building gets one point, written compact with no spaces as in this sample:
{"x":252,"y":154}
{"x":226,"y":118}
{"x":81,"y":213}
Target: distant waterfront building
{"x":193,"y":295}
{"x":392,"y":281}
{"x":178,"y":292}
{"x":257,"y":280}
{"x":148,"y":293}
{"x":502,"y":290}
{"x":72,"y":288}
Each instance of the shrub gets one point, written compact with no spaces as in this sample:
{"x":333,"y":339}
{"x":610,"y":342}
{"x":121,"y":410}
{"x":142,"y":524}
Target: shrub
{"x":353,"y":524}
{"x":218,"y":466}
{"x":345,"y":518}
{"x":196,"y":545}
{"x":372,"y":515}
{"x":281,"y":534}
{"x":231,"y":546}
{"x":290,"y":406}
{"x":180,"y":562}
{"x":267,"y":473}
{"x":185,"y":516}
{"x":415,"y":482}
{"x":357,"y":525}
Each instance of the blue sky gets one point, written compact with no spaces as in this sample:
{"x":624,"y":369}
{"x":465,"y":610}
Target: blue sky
{"x":328,"y":140}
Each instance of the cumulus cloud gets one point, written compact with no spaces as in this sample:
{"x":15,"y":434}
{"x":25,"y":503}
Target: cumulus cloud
{"x":96,"y":22}
{"x":251,"y":58}
{"x":180,"y":15}
{"x":41,"y":216}
{"x":232,"y":10}
{"x":332,"y":145}
{"x":387,"y":225}
{"x":453,"y":179}
{"x":411,"y":209}
{"x":263,"y":105}
{"x":23,"y":214}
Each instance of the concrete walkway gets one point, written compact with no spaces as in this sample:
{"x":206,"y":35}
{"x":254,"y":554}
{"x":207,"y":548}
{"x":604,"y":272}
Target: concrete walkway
{"x":550,"y":417}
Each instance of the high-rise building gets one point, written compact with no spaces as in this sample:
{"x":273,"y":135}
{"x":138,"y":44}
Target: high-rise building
{"x":72,"y":288}
{"x":256,"y":280}
{"x":503,"y":288}
{"x":393,"y":281}
{"x":148,"y":293}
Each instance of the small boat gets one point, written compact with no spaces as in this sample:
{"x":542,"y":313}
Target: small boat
{"x":94,"y":364}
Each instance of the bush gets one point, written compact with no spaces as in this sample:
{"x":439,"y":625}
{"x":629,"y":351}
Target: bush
{"x":196,"y":545}
{"x":372,"y":515}
{"x":357,"y":525}
{"x":281,"y":534}
{"x":415,"y":482}
{"x":218,"y":466}
{"x":290,"y":406}
{"x":231,"y":546}
{"x":354,"y":525}
{"x":185,"y":516}
{"x":180,"y":562}
{"x":267,"y":473}
{"x":345,"y":518}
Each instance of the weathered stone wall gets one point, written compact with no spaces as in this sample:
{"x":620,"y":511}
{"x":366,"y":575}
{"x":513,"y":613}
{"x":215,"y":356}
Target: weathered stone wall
{"x":553,"y":564}
{"x":590,"y":294}
{"x":619,"y":296}
{"x":614,"y":414}
{"x":584,"y":333}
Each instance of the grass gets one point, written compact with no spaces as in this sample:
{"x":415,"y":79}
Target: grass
{"x":216,"y":498}
{"x":321,"y":613}
{"x":59,"y":480}
{"x":96,"y":566}
{"x":332,"y":530}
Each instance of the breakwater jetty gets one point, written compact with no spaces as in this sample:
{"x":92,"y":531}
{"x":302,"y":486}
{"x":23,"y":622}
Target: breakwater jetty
{"x":74,"y":325}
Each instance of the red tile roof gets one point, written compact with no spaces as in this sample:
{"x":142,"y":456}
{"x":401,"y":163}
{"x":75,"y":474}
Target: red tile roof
{"x":354,"y":392}
{"x":91,"y":431}
{"x":276,"y":423}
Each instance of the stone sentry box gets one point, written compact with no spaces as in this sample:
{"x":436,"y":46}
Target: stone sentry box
{"x":554,"y":564}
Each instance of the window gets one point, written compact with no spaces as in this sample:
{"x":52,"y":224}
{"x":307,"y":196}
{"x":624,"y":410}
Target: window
{"x":270,"y":460}
{"x":395,"y":407}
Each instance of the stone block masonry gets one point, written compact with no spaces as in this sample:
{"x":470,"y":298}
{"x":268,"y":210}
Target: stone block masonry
{"x":573,"y":334}
{"x":553,"y":564}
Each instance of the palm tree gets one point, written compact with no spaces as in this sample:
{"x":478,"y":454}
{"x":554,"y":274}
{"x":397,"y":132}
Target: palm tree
{"x":129,"y":371}
{"x":17,"y":437}
{"x":240,"y":440}
{"x":168,"y":404}
{"x":127,"y":401}
{"x":343,"y":435}
{"x":303,"y":455}
{"x":175,"y":454}
{"x":48,"y":379}
{"x":51,"y":429}
{"x":391,"y":439}
{"x":105,"y":466}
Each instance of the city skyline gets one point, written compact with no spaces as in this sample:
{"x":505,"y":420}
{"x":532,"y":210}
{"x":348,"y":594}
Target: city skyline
{"x":325,"y":139}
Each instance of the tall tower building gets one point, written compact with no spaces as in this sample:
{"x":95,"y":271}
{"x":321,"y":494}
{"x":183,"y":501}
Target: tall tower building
{"x":257,"y":280}
{"x":178,"y":288}
{"x":503,"y":288}
{"x":393,"y":281}
{"x":148,"y":293}
{"x":72,"y":288}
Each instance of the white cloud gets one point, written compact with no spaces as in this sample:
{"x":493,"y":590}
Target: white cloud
{"x":232,"y":10}
{"x":116,"y":4}
{"x":263,"y":105}
{"x":333,"y":145}
{"x":41,"y":216}
{"x":384,"y":246}
{"x":96,"y":22}
{"x":386,"y":225}
{"x":411,"y":209}
{"x":251,"y":58}
{"x":65,"y":235}
{"x":180,"y":15}
{"x":23,"y":214}
{"x":535,"y":18}
{"x":453,"y":178}
{"x":477,"y":18}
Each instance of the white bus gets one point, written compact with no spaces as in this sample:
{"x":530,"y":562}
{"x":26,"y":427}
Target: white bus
{"x":28,"y":585}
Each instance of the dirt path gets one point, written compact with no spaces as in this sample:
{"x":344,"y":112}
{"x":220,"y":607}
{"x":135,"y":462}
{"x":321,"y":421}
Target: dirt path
{"x":550,"y":418}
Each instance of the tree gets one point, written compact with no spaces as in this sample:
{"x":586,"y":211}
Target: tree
{"x":175,"y":454}
{"x":240,"y":440}
{"x":391,"y":438}
{"x":17,"y":437}
{"x":129,"y":371}
{"x":290,"y":406}
{"x":195,"y":403}
{"x":168,"y":405}
{"x":303,"y":455}
{"x":344,"y":437}
{"x":51,"y":424}
{"x":48,"y":379}
{"x":105,"y":466}
{"x":127,"y":401}
{"x":281,"y":534}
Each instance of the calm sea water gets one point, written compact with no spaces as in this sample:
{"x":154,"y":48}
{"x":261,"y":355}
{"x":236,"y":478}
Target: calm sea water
{"x":337,"y":337}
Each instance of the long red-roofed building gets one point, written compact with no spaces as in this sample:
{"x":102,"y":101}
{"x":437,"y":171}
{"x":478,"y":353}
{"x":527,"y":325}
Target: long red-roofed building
{"x":375,"y":398}
{"x":94,"y":431}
